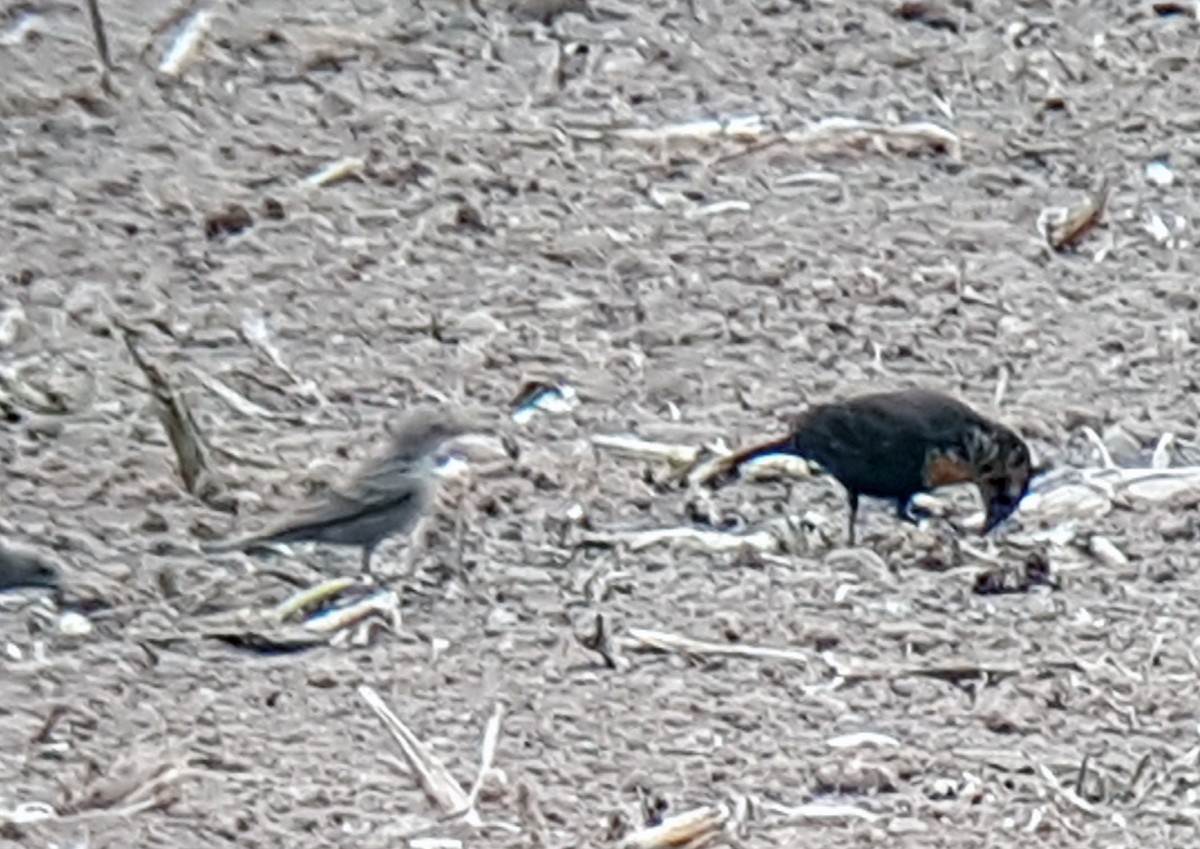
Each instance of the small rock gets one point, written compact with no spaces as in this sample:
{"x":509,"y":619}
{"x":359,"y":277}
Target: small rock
{"x":229,"y":221}
{"x":907,"y":825}
{"x":1103,"y":549}
{"x":499,"y":621}
{"x":546,"y":11}
{"x":824,"y":288}
{"x":495,"y":783}
{"x":932,"y":15}
{"x":478,"y":323}
{"x":46,"y":292}
{"x":730,"y":625}
{"x":72,"y":624}
{"x":1159,"y":173}
{"x":435,"y":843}
{"x":335,"y":104}
{"x":84,"y":299}
{"x":437,"y":647}
{"x":11,"y":322}
{"x":155,"y":523}
{"x":1175,"y":527}
{"x":1011,"y":325}
{"x":861,"y":738}
{"x":942,"y":788}
{"x":44,"y":426}
{"x":1122,"y":445}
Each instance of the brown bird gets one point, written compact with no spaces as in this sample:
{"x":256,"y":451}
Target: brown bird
{"x":894,"y":445}
{"x":24,"y":570}
{"x":388,"y":495}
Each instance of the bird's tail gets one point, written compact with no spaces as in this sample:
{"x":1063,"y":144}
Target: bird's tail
{"x":729,"y":467}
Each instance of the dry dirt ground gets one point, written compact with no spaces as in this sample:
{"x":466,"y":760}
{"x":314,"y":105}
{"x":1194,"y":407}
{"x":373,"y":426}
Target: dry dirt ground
{"x":501,"y":230}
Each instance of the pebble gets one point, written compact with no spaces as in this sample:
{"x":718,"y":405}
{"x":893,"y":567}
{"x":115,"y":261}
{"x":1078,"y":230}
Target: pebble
{"x":499,"y":621}
{"x":72,"y":624}
{"x":11,"y":322}
{"x":46,"y":292}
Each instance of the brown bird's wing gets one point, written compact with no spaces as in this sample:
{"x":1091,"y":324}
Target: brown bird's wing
{"x":377,"y":481}
{"x":388,"y":493}
{"x":400,"y":497}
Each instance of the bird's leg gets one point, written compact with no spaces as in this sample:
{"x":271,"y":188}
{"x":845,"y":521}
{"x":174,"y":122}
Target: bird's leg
{"x":367,"y":551}
{"x":853,"y":499}
{"x":416,"y":542}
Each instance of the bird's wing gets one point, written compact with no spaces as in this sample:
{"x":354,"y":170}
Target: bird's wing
{"x":377,"y":486}
{"x":380,"y":483}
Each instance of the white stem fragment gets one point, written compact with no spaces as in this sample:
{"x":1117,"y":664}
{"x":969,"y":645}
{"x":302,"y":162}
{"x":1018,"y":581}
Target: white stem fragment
{"x":437,"y":782}
{"x":491,"y":739}
{"x":703,"y":539}
{"x":335,"y":171}
{"x":186,"y":46}
{"x":688,"y":829}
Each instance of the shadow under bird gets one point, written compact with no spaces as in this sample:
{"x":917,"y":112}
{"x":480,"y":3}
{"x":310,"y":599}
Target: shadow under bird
{"x":387,"y":496}
{"x":894,"y":445}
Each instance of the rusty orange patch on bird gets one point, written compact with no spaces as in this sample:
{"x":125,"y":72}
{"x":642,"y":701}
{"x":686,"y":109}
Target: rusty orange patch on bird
{"x":944,"y":470}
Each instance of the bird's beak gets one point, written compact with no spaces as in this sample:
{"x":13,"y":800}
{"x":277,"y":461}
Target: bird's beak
{"x":994,"y":518}
{"x":997,"y":512}
{"x":451,"y":466}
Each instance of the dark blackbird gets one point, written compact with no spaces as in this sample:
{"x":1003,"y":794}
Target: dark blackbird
{"x":387,"y":496}
{"x":24,"y":570}
{"x":894,"y":445}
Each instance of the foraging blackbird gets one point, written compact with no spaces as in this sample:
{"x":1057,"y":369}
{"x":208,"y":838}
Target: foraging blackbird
{"x":24,"y":570}
{"x":387,"y":496}
{"x":894,"y":445}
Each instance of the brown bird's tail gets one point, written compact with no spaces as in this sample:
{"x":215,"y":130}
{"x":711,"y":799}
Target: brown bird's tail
{"x":729,"y":468}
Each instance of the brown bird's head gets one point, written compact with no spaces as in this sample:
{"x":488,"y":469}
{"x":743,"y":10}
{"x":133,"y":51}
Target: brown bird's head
{"x":1002,"y":468}
{"x":422,"y":431}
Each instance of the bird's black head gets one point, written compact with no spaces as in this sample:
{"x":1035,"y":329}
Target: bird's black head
{"x":1002,"y":468}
